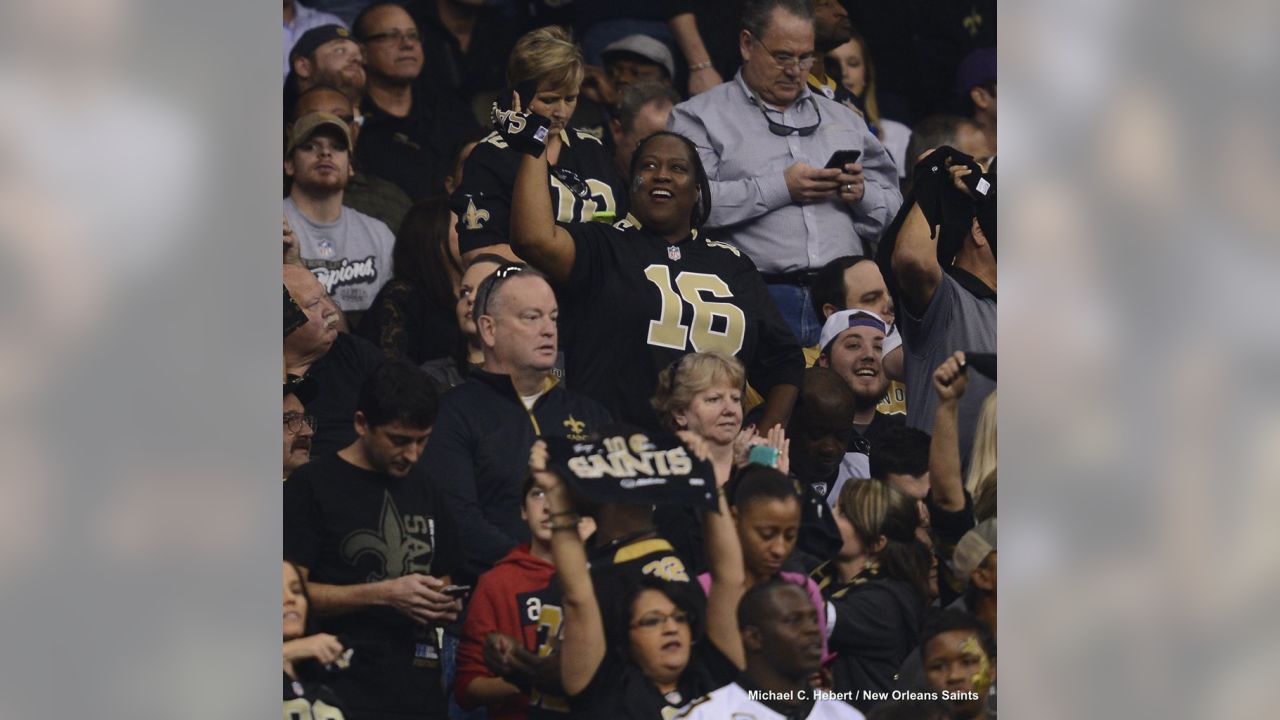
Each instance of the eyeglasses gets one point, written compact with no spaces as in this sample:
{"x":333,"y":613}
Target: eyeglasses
{"x":778,"y":128}
{"x":396,"y":36}
{"x":490,"y":284}
{"x":786,"y":61}
{"x":294,"y":421}
{"x":648,"y":622}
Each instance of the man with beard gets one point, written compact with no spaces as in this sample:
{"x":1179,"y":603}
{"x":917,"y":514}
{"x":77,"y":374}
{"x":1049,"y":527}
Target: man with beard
{"x":298,"y":19}
{"x":349,"y":251}
{"x":328,"y":55}
{"x":299,"y":427}
{"x":369,"y":194}
{"x":779,"y":628}
{"x":410,"y":128}
{"x":852,"y":345}
{"x":854,"y":282}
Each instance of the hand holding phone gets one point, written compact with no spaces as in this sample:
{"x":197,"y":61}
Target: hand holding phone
{"x":456,"y":591}
{"x":840,"y":158}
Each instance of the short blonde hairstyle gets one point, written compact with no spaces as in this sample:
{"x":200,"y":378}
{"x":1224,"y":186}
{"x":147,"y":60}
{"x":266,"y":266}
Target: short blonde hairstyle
{"x":548,"y":55}
{"x":690,"y":375}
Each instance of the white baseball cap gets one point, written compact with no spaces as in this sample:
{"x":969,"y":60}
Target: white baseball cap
{"x":845,"y":319}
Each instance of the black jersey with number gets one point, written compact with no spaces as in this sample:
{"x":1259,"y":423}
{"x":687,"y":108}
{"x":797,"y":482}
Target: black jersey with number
{"x":634,"y":304}
{"x":308,"y":699}
{"x":349,"y":526}
{"x":585,"y":186}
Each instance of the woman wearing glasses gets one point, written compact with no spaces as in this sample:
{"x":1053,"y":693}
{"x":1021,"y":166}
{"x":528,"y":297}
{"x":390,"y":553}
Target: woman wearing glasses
{"x":637,"y":295}
{"x":657,"y":650}
{"x":546,"y":68}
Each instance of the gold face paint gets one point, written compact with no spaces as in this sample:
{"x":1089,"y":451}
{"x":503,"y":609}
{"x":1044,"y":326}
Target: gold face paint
{"x":980,"y":680}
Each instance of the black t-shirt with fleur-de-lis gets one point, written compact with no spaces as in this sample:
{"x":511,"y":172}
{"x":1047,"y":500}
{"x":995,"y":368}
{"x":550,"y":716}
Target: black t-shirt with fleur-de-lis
{"x":349,"y":526}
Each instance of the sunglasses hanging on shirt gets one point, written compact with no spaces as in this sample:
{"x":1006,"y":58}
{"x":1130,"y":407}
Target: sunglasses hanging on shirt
{"x":781,"y":130}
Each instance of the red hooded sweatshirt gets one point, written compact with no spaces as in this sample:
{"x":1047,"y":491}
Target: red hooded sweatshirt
{"x":514,"y":598}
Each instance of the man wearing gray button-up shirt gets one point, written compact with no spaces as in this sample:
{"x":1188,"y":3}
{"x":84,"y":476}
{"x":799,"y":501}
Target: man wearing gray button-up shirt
{"x":765,"y":138}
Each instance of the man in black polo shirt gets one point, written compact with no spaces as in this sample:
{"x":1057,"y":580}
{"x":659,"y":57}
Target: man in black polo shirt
{"x":371,"y":536}
{"x":410,"y":128}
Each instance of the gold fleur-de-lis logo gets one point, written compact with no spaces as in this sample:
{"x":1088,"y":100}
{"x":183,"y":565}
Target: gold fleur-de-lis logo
{"x":575,"y":426}
{"x":972,"y":23}
{"x":474,"y":218}
{"x":395,"y":550}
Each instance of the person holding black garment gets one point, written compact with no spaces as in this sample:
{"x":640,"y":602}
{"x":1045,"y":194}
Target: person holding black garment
{"x":943,"y":262}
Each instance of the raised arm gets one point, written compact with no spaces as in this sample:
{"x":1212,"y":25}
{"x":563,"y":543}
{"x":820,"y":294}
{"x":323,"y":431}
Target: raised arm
{"x":583,"y":647}
{"x":949,"y":382}
{"x":728,"y":574}
{"x":724,"y":555}
{"x":534,"y":233}
{"x":535,"y":236}
{"x":915,"y":261}
{"x":702,"y":75}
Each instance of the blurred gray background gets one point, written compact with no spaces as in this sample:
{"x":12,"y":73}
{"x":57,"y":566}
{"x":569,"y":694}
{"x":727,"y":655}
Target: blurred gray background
{"x":139,"y":496}
{"x":139,"y":502}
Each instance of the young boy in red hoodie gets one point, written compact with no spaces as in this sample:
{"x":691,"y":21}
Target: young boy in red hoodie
{"x":519,"y":599}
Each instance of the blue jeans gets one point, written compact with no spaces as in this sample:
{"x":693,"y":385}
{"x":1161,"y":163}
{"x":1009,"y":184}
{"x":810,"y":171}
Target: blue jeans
{"x":796,"y":305}
{"x":450,"y":672}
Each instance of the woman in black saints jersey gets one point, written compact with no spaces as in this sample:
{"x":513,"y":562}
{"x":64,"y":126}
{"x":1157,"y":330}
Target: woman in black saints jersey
{"x":546,"y":68}
{"x":652,"y":654}
{"x":304,"y":654}
{"x":636,"y":295}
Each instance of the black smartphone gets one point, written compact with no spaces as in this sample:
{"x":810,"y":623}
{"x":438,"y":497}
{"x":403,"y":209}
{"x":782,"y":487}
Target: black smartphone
{"x":840,"y":158}
{"x":456,"y":590}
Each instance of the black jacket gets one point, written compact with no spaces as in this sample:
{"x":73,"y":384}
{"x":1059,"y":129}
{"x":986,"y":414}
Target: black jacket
{"x":478,"y":456}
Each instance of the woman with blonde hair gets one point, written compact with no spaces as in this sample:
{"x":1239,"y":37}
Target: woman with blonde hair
{"x":544,"y":74}
{"x":702,"y":393}
{"x":982,"y":461}
{"x":878,"y":585}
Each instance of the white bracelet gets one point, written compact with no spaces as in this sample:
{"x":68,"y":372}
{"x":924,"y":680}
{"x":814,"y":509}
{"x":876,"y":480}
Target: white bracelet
{"x":700,"y":66}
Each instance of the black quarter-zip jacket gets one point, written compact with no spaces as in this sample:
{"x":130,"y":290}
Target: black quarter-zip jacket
{"x":478,"y":456}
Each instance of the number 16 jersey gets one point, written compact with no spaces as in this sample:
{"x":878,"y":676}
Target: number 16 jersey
{"x":634,"y":304}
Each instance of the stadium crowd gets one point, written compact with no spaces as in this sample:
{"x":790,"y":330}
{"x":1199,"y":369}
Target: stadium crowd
{"x":639,"y":359}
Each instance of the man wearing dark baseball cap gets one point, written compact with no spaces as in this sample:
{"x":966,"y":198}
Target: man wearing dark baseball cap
{"x":327,"y":55}
{"x":349,"y":252}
